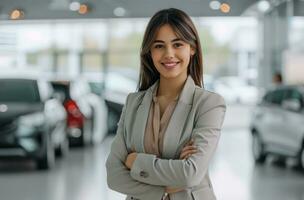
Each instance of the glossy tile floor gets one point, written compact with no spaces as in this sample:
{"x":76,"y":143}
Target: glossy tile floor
{"x":81,"y":176}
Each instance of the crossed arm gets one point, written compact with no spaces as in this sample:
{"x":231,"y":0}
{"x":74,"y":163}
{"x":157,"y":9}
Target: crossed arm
{"x":118,"y":167}
{"x":188,"y":150}
{"x":123,"y":169}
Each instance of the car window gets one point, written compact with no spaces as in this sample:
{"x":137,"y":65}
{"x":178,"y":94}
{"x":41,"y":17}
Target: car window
{"x":19,"y":90}
{"x":62,"y":89}
{"x":274,"y":97}
{"x":97,"y":87}
{"x":267,"y":98}
{"x":277,"y":97}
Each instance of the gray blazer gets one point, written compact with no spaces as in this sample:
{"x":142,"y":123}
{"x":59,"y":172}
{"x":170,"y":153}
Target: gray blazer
{"x":199,"y":114}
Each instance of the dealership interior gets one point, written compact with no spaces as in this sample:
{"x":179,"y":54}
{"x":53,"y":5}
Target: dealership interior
{"x":67,"y":67}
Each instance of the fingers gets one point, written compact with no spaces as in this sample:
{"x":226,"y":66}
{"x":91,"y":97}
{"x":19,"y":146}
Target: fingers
{"x":171,"y":190}
{"x":191,"y":142}
{"x":188,"y":153}
{"x":187,"y":148}
{"x":187,"y":156}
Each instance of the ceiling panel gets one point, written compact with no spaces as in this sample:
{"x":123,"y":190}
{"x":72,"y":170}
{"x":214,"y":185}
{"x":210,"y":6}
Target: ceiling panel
{"x":41,"y":9}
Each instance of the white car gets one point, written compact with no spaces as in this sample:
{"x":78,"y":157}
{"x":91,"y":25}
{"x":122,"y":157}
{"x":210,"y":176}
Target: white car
{"x":277,"y":124}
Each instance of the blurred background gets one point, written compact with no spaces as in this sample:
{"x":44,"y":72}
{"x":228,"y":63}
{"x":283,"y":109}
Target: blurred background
{"x":67,"y":66}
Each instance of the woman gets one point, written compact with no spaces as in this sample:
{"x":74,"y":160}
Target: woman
{"x":168,"y":131}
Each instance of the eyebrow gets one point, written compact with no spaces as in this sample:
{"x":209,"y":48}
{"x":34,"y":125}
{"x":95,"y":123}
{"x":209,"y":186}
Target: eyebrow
{"x":174,"y":40}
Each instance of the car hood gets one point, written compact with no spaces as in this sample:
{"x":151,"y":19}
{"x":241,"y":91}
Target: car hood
{"x":12,"y":111}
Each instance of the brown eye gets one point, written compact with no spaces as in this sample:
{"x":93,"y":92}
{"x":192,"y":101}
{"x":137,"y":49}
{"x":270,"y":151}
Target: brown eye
{"x":158,"y":46}
{"x":177,"y":45}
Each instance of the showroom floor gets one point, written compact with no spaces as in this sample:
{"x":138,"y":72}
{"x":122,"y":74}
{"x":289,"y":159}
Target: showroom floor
{"x":82,"y":176}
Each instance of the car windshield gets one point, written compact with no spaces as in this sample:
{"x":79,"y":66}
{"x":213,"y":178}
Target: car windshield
{"x":18,"y":90}
{"x":62,"y":88}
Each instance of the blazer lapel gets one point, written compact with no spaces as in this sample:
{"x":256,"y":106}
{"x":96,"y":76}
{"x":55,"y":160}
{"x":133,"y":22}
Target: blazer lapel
{"x":141,"y":120}
{"x":178,"y":119}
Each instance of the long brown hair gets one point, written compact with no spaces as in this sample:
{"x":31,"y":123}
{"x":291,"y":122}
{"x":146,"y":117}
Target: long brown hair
{"x":184,"y":28}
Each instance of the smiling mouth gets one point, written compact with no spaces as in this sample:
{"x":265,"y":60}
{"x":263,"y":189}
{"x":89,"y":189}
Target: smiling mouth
{"x":170,"y":65}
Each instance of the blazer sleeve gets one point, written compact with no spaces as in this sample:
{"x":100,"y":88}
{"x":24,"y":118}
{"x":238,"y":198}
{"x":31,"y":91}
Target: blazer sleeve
{"x":188,"y":172}
{"x":118,"y":176}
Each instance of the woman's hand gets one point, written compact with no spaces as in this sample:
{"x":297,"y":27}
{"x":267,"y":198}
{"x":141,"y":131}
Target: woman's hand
{"x":188,"y":150}
{"x":171,"y":190}
{"x":130,"y":160}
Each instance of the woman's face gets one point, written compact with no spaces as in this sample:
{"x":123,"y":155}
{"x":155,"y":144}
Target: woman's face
{"x":170,"y":54}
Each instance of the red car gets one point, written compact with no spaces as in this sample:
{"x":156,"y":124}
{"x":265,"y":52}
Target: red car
{"x":86,"y":112}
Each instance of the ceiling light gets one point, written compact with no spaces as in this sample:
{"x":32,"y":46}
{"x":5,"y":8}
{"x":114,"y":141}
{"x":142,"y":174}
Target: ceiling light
{"x":214,"y":5}
{"x":74,"y":6}
{"x":119,"y":12}
{"x":83,"y":9}
{"x":17,"y":14}
{"x":225,"y":7}
{"x":263,"y":6}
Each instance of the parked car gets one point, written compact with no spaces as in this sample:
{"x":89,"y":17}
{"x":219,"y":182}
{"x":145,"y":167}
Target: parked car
{"x":114,"y":88}
{"x":236,"y":90}
{"x":277,"y":124}
{"x":86,"y":112}
{"x":32,"y":122}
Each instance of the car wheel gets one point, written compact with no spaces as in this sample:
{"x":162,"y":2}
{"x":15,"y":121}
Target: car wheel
{"x":93,"y":128}
{"x":258,"y":149}
{"x":301,"y":159}
{"x":47,"y":161}
{"x":86,"y":133}
{"x":280,"y":161}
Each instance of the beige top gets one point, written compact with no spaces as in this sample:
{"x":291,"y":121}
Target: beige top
{"x":157,"y":125}
{"x":156,"y":128}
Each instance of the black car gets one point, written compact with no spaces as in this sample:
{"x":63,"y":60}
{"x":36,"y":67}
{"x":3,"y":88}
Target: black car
{"x":32,"y":123}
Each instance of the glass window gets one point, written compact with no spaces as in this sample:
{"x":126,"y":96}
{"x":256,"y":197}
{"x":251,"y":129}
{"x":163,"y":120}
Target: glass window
{"x":267,"y":98}
{"x":274,"y":97}
{"x":62,"y":88}
{"x":124,"y":60}
{"x":277,"y":97}
{"x":19,"y":91}
{"x":92,"y":62}
{"x":62,"y":63}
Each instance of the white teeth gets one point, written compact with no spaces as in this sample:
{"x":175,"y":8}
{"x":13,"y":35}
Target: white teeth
{"x":169,"y":64}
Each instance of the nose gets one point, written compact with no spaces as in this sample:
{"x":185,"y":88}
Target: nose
{"x":169,"y":53}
